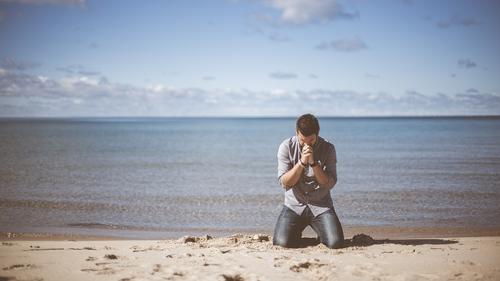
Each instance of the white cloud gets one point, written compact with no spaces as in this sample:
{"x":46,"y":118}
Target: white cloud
{"x":158,"y":88}
{"x":26,"y":95}
{"x":43,"y":79}
{"x":12,"y":64}
{"x":298,"y":12}
{"x":71,"y":82}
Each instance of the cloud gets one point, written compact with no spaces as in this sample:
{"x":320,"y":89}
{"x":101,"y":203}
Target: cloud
{"x":77,"y":69}
{"x":466,"y":63}
{"x":343,"y":45}
{"x":208,"y":78}
{"x":50,"y":2}
{"x":283,"y":75}
{"x":313,"y":76}
{"x":22,"y":94}
{"x":300,"y":12}
{"x":89,"y":73}
{"x":12,"y":64}
{"x":457,"y":21}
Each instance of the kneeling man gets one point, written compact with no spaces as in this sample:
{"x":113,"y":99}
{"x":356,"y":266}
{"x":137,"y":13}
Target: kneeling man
{"x":307,"y":170}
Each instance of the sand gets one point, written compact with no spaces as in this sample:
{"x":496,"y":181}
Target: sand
{"x":251,"y":257}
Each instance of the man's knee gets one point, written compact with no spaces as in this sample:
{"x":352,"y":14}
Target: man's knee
{"x":283,"y":242}
{"x":335,"y":243}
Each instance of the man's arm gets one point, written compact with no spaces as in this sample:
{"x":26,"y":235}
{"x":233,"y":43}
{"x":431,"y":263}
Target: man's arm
{"x":321,"y":177}
{"x":288,"y":174}
{"x":291,"y":177}
{"x":327,"y":178}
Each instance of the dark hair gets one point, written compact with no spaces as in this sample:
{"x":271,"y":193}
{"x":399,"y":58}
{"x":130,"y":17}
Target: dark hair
{"x":307,"y":125}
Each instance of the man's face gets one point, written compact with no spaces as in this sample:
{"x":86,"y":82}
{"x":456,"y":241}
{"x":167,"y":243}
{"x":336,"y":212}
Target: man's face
{"x":309,"y":140}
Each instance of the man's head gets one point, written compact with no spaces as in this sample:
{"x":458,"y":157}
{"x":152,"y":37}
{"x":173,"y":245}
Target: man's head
{"x":307,"y":129}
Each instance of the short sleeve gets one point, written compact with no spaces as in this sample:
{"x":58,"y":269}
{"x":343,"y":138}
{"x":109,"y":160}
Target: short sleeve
{"x":330,"y":167}
{"x":284,"y":162}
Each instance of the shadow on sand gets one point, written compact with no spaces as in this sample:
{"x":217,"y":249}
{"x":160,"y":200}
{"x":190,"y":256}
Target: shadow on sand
{"x":365,"y":240}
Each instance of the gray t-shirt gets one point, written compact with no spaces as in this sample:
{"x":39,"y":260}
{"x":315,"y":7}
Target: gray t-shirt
{"x":307,"y":191}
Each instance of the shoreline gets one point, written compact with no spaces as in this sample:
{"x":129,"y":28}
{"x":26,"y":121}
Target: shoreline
{"x":376,"y":232}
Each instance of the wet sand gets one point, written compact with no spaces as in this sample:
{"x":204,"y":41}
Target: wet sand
{"x":250,"y":257}
{"x":379,"y":232}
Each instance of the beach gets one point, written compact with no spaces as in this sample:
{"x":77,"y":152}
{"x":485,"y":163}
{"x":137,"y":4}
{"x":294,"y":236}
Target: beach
{"x":161,"y":140}
{"x":248,"y":257}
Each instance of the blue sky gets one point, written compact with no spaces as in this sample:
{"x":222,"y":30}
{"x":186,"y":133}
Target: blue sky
{"x":249,"y":58}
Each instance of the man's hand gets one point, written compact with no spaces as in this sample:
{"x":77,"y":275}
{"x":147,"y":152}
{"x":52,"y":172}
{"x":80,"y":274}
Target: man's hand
{"x":307,"y":155}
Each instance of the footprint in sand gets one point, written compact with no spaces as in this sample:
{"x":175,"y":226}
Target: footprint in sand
{"x":229,"y":277}
{"x":280,"y":261}
{"x":19,"y":266}
{"x":102,"y":268}
{"x":156,"y":268}
{"x":100,"y":271}
{"x":136,"y":249}
{"x":105,"y":267}
{"x":469,"y":263}
{"x":160,"y":269}
{"x":306,"y":266}
{"x":111,"y":256}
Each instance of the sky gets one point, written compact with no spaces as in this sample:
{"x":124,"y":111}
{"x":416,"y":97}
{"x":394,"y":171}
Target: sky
{"x":73,"y":58}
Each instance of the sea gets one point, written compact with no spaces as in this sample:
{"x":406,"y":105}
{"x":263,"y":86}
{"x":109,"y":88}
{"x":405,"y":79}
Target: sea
{"x":164,"y":177}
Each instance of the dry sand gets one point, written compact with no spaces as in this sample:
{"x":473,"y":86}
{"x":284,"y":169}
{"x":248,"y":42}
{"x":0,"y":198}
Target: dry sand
{"x":250,"y":257}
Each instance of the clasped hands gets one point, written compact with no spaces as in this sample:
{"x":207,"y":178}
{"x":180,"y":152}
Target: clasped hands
{"x":307,"y":155}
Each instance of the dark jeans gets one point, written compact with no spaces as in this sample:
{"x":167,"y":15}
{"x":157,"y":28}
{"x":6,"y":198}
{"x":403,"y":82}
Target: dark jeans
{"x":288,"y":230}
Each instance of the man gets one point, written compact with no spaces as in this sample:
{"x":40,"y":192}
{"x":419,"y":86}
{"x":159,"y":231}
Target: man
{"x":307,"y":170}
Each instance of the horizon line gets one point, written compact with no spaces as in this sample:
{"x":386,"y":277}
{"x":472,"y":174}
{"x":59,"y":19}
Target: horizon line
{"x":493,"y":116}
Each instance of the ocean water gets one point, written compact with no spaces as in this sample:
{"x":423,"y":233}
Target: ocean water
{"x":163,"y":176}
